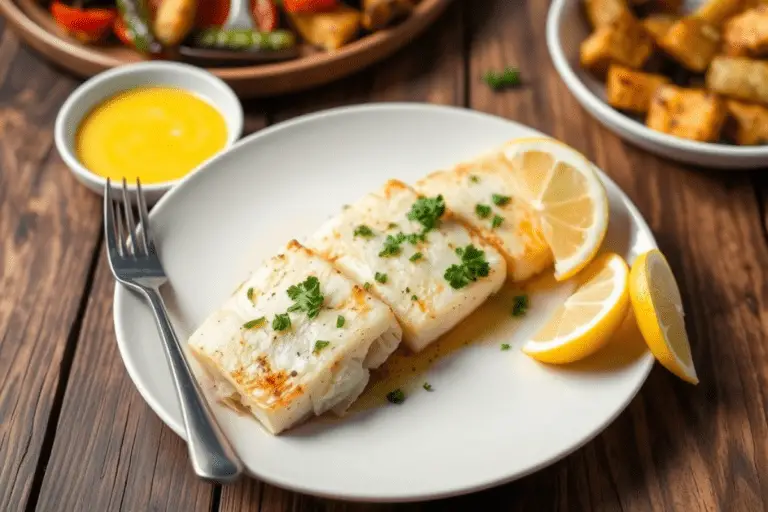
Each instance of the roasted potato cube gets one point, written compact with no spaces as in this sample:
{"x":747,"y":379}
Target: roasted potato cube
{"x":688,"y":113}
{"x":378,"y":14}
{"x":330,"y":29}
{"x":632,"y":90}
{"x":657,"y":25}
{"x":747,"y":124}
{"x":716,"y":12}
{"x":739,"y":78}
{"x":747,"y":33}
{"x":623,"y":42}
{"x":604,"y":12}
{"x":691,"y":42}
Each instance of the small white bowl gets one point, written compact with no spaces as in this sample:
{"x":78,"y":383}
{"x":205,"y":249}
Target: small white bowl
{"x":566,"y":29}
{"x":144,"y":74}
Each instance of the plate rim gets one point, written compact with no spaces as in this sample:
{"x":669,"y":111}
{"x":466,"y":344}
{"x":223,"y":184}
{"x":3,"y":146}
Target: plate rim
{"x":607,"y":115}
{"x":165,"y":416}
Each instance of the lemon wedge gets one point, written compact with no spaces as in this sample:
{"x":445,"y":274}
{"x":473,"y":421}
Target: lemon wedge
{"x":562,"y":186}
{"x":659,"y":311}
{"x":587,"y":319}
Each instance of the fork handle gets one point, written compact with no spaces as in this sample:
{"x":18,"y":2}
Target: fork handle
{"x":212,"y":456}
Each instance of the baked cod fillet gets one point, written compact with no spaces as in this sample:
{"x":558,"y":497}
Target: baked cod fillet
{"x":415,"y":256}
{"x":298,"y":338}
{"x":481,"y":194}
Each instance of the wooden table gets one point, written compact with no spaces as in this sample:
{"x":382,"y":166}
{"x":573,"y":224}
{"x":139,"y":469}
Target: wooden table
{"x":75,"y":435}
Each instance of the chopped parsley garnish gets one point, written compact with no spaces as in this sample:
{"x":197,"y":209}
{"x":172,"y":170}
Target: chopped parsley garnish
{"x":520,"y":305}
{"x":428,"y":386}
{"x":340,"y":322}
{"x":414,"y":298}
{"x":259,"y":322}
{"x":498,"y":80}
{"x":392,"y":245}
{"x":407,"y":290}
{"x":427,"y":211}
{"x":396,"y":397}
{"x":306,"y":297}
{"x":473,"y":266}
{"x":416,"y":256}
{"x":281,"y":322}
{"x":415,"y":238}
{"x":497,"y":221}
{"x":380,"y":278}
{"x":364,"y":231}
{"x":393,"y":225}
{"x":505,"y":346}
{"x":500,"y":200}
{"x":249,"y":294}
{"x":320,"y":345}
{"x":367,"y":286}
{"x":474,"y":179}
{"x":483,"y":211}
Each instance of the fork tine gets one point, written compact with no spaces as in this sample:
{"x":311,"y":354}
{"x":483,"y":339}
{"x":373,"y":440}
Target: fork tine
{"x":129,"y":222}
{"x":119,"y":229}
{"x":110,"y":228}
{"x":146,"y":237}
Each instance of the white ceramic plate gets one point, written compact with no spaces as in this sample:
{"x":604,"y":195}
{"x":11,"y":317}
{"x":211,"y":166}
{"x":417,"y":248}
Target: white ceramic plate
{"x":566,"y":29}
{"x":494,"y":415}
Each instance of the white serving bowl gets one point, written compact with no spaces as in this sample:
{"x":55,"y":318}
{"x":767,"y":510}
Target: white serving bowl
{"x":144,"y":74}
{"x":566,"y":29}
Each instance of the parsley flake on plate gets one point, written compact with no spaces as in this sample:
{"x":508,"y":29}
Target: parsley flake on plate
{"x":380,"y":278}
{"x":253,"y":324}
{"x":500,"y":200}
{"x":414,"y":298}
{"x":396,"y":397}
{"x":392,"y":245}
{"x":281,"y":322}
{"x":367,"y":286}
{"x":416,"y":257}
{"x":497,"y":221}
{"x":472,"y":267}
{"x":505,"y":346}
{"x":364,"y":231}
{"x":427,"y":211}
{"x":249,"y":294}
{"x":498,"y":80}
{"x":474,"y":179}
{"x":520,"y":305}
{"x":306,"y":297}
{"x":320,"y":345}
{"x":427,"y":386}
{"x":483,"y":211}
{"x":340,"y":322}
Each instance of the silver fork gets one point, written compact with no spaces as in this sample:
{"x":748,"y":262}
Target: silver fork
{"x":135,"y":264}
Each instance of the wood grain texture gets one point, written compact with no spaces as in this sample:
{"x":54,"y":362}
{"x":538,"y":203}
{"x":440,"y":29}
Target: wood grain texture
{"x":48,"y":228}
{"x":677,"y":447}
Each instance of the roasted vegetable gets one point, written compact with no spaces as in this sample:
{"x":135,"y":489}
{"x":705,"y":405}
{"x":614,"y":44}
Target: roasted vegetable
{"x":174,"y":20}
{"x":604,"y":12}
{"x":378,"y":14}
{"x":265,"y":15}
{"x":309,"y":6}
{"x":135,"y":16}
{"x":624,"y":42}
{"x":688,"y":113}
{"x":211,"y":13}
{"x":87,"y":25}
{"x":692,"y":42}
{"x":747,"y":124}
{"x":747,"y":33}
{"x":330,"y":30}
{"x":632,"y":90}
{"x":739,"y":78}
{"x":658,"y":25}
{"x":716,"y":12}
{"x":244,"y":40}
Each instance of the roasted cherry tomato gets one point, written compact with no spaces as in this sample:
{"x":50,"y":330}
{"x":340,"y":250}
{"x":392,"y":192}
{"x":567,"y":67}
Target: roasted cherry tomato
{"x":265,"y":15}
{"x":87,"y":25}
{"x":213,"y":13}
{"x":310,"y":5}
{"x":121,"y":32}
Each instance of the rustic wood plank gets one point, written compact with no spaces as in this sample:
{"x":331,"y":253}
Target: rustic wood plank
{"x":49,"y":226}
{"x":677,"y":447}
{"x":431,"y":69}
{"x":111,"y":451}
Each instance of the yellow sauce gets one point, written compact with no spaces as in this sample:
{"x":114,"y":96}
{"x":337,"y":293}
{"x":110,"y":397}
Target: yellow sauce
{"x":157,"y":134}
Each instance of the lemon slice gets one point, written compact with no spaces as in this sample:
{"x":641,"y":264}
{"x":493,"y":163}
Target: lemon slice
{"x":585,"y":322}
{"x":659,"y":312}
{"x":562,"y":186}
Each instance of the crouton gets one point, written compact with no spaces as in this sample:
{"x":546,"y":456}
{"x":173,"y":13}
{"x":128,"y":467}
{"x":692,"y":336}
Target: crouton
{"x":739,"y":78}
{"x":688,"y":113}
{"x":657,"y":25}
{"x":692,"y":42}
{"x":604,"y":12}
{"x":747,"y":124}
{"x":632,"y":90}
{"x":747,"y":33}
{"x":622,"y":42}
{"x":717,"y":12}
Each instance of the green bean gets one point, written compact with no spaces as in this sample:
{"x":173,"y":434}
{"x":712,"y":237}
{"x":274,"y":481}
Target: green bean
{"x":244,"y":39}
